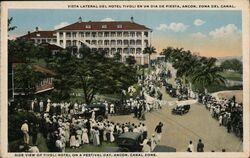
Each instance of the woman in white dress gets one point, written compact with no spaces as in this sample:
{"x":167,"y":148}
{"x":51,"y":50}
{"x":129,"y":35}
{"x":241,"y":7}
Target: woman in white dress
{"x":48,"y":106}
{"x":104,"y":133}
{"x":85,"y":138}
{"x":153,"y":142}
{"x":79,"y":136}
{"x":67,"y":134}
{"x":72,"y":142}
{"x":146,"y":147}
{"x":112,"y":138}
{"x":96,"y":139}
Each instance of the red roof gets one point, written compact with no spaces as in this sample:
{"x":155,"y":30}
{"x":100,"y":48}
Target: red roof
{"x":51,"y":46}
{"x":105,"y":25}
{"x":39,"y":34}
{"x":43,"y":70}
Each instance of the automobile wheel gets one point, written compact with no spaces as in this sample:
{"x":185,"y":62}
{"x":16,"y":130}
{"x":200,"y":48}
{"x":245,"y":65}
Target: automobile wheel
{"x":100,"y":118}
{"x":125,"y":150}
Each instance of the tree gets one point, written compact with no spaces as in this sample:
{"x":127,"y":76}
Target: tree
{"x":208,"y":73}
{"x":232,"y":64}
{"x":93,"y":72}
{"x":25,"y":80}
{"x":149,"y":50}
{"x":63,"y":66}
{"x":167,"y":53}
{"x":11,"y":28}
{"x":117,"y":56}
{"x":130,"y":60}
{"x":22,"y":49}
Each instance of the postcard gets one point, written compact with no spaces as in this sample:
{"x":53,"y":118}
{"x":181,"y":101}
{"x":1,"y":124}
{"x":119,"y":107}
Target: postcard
{"x":125,"y":79}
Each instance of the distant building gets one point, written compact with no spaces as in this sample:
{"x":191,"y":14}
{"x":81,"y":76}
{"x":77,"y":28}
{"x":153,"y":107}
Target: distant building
{"x":41,"y":36}
{"x":124,"y":37}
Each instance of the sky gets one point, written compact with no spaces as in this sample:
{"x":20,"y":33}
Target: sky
{"x":208,"y":33}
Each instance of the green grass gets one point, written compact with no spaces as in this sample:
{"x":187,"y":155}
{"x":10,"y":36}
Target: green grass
{"x":42,"y":146}
{"x":230,"y":75}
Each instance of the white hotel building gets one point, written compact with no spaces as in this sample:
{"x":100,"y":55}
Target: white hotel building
{"x":125,"y":37}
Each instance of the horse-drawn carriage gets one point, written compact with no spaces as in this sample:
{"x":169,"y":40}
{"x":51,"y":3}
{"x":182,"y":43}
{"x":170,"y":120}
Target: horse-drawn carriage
{"x":181,"y":109}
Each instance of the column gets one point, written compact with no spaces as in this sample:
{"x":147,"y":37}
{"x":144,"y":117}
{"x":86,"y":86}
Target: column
{"x":142,"y":48}
{"x":64,"y":39}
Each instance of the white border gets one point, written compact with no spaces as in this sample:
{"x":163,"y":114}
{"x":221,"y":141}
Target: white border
{"x":242,"y":5}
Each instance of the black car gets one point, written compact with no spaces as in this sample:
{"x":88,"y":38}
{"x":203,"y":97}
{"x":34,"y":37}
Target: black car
{"x":100,"y":112}
{"x":181,"y":109}
{"x":130,"y":141}
{"x":163,"y":148}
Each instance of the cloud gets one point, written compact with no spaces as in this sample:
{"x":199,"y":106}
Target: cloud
{"x":107,"y":19}
{"x":62,"y":24}
{"x":176,"y":27}
{"x":198,"y":35}
{"x":229,"y":30}
{"x":199,"y":22}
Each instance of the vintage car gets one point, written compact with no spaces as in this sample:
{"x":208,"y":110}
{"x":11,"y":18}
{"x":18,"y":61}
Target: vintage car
{"x":100,"y":112}
{"x":181,"y":109}
{"x":163,"y":148}
{"x":130,"y":141}
{"x":182,"y":97}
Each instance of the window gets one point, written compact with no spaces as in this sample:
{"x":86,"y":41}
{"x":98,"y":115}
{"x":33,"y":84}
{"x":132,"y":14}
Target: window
{"x":68,"y":34}
{"x":132,"y":34}
{"x":104,"y":26}
{"x":119,"y":34}
{"x":81,"y":34}
{"x":100,"y":34}
{"x":113,"y":34}
{"x":119,"y":26}
{"x":87,"y":34}
{"x":38,"y":35}
{"x":93,"y":34}
{"x":106,"y":34}
{"x":88,"y":26}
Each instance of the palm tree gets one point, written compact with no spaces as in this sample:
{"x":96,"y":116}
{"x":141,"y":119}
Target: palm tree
{"x":208,"y":73}
{"x":149,"y":50}
{"x":168,"y":52}
{"x":11,"y":28}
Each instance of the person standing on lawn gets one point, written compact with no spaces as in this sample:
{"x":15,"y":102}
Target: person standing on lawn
{"x":25,"y":130}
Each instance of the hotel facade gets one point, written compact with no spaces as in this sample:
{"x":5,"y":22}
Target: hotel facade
{"x":125,"y":37}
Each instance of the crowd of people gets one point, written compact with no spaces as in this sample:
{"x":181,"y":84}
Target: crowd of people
{"x":66,"y":131}
{"x":63,"y":128}
{"x":228,"y":112}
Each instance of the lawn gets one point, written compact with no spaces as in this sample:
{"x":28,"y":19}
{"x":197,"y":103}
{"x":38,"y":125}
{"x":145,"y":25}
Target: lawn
{"x":231,"y":75}
{"x":41,"y":142}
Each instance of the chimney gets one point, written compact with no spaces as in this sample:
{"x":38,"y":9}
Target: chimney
{"x":80,"y":19}
{"x":28,"y":32}
{"x":37,"y":29}
{"x":132,"y":19}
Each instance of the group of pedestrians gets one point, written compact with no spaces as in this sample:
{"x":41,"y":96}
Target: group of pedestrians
{"x":199,"y":148}
{"x":228,"y":112}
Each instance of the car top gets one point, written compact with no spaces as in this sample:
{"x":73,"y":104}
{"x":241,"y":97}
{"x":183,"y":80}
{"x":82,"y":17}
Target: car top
{"x":130,"y":135}
{"x":95,"y":106}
